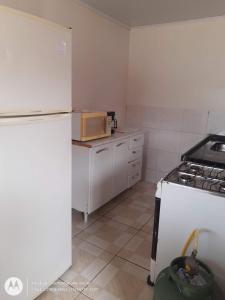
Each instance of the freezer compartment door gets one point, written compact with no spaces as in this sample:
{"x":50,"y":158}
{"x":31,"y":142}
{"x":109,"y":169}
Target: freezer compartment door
{"x":35,"y":60}
{"x":35,"y":201}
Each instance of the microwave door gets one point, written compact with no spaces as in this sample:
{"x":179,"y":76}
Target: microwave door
{"x":94,"y":127}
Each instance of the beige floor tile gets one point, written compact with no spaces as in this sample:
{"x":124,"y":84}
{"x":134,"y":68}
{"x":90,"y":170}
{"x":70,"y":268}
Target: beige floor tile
{"x":113,"y":203}
{"x":127,"y":193}
{"x":108,"y":234}
{"x":143,"y":186}
{"x":148,"y":227}
{"x":138,"y":250}
{"x":131,"y":215}
{"x":110,"y":205}
{"x":141,"y":199}
{"x":83,"y":297}
{"x":78,"y":223}
{"x":60,"y":291}
{"x":120,"y":280}
{"x":88,"y":261}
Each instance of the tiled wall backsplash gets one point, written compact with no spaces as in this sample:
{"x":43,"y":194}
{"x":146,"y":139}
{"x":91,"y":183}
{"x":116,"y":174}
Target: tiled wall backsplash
{"x":169,"y":133}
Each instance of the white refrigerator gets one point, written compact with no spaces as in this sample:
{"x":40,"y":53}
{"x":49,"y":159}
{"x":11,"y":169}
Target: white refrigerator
{"x":35,"y":154}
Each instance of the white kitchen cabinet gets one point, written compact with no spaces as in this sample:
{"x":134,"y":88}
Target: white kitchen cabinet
{"x":101,"y":176}
{"x":133,"y":179}
{"x":136,"y":141}
{"x":120,"y":163}
{"x":92,"y":177}
{"x":134,"y":167}
{"x":135,"y":154}
{"x":104,"y":168}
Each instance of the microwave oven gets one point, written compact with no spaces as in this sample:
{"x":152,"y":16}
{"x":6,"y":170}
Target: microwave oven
{"x":87,"y":126}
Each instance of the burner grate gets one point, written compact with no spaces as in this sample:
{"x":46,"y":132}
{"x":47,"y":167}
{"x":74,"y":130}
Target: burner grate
{"x":199,"y":176}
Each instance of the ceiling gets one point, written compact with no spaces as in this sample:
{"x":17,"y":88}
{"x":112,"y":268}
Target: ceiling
{"x":147,"y":12}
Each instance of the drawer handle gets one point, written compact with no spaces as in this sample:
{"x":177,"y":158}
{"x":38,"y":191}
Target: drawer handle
{"x":102,"y":150}
{"x":120,"y":144}
{"x":134,"y":152}
{"x":136,"y":140}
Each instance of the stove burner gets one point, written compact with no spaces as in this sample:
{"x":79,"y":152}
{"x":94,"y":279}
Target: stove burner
{"x":222,"y":187}
{"x":184,"y":179}
{"x":198,"y":176}
{"x":195,"y":170}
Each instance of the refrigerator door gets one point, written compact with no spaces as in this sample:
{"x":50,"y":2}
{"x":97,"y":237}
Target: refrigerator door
{"x":35,"y":60}
{"x":35,"y":202}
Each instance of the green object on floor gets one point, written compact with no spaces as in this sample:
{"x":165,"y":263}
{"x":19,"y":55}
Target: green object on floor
{"x":166,"y":289}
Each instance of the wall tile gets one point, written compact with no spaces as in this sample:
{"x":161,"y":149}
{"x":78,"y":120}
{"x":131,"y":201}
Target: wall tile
{"x":169,"y":133}
{"x":133,"y":116}
{"x":150,"y":159}
{"x":161,"y":175}
{"x":168,"y":141}
{"x":167,"y":161}
{"x":152,"y":138}
{"x":195,"y":121}
{"x":150,"y":117}
{"x":171,"y":119}
{"x":188,"y":140}
{"x":162,"y":140}
{"x":216,"y":122}
{"x":151,"y":176}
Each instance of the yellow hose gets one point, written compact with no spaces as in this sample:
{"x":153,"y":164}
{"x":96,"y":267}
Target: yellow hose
{"x":193,"y":236}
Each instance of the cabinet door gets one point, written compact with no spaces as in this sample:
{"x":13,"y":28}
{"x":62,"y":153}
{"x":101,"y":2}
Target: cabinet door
{"x":102,"y":174}
{"x":120,"y":163}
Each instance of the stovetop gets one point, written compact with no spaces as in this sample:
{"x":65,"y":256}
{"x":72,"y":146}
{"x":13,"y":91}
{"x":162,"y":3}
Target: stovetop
{"x":209,"y":152}
{"x":203,"y":167}
{"x":199,"y":176}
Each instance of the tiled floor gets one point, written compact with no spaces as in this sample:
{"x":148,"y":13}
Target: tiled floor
{"x":111,"y":253}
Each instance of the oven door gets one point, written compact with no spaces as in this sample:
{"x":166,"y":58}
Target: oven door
{"x":94,"y":126}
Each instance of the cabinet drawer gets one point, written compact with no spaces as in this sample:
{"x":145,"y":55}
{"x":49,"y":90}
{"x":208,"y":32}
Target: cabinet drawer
{"x":134,"y":167}
{"x":132,"y":180}
{"x":137,"y":141}
{"x":135,"y":154}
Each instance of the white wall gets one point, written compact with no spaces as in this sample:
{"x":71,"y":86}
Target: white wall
{"x":176,"y":88}
{"x":100,"y":52}
{"x":178,"y":65}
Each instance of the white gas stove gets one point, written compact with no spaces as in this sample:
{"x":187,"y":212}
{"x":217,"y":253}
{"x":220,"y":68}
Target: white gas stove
{"x":190,"y":197}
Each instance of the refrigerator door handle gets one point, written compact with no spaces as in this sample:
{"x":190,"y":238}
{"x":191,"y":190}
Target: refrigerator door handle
{"x":7,"y":121}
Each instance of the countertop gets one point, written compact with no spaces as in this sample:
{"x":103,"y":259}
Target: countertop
{"x":114,"y":138}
